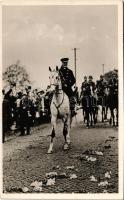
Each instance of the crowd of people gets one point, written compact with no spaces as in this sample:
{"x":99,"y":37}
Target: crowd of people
{"x":24,"y":109}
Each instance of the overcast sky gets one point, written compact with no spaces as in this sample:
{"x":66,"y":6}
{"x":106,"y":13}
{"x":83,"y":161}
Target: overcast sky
{"x":39,"y":36}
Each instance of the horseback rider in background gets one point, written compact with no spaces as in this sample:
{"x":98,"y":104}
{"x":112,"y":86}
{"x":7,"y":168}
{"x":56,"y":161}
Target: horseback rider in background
{"x":92,"y":86}
{"x":84,"y":87}
{"x":101,"y":85}
{"x":68,"y":80}
{"x":113,"y":84}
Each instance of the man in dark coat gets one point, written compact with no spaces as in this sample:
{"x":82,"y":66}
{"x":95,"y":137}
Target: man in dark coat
{"x":26,"y":114}
{"x":113,"y":84}
{"x":101,"y":85}
{"x":84,"y":87}
{"x":91,"y":84}
{"x":68,"y":80}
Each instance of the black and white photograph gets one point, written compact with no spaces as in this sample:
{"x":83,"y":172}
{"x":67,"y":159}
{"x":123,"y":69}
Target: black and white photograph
{"x":62,"y":82}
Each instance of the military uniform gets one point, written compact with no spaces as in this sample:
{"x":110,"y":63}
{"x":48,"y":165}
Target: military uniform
{"x":26,"y":114}
{"x":100,"y":85}
{"x":91,"y":84}
{"x":68,"y":80}
{"x":113,"y":85}
{"x":85,"y":88}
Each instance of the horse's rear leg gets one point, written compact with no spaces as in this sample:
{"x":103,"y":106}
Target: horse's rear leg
{"x":106,"y":111}
{"x":66,"y":133}
{"x":53,"y":121}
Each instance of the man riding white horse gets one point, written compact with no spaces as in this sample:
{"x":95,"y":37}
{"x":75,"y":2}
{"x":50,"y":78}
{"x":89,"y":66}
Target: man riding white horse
{"x":68,"y":80}
{"x":60,"y":108}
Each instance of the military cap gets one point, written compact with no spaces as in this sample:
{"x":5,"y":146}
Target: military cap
{"x":29,"y":87}
{"x":101,"y":76}
{"x":91,"y":77}
{"x":85,"y":77}
{"x":64,"y":59}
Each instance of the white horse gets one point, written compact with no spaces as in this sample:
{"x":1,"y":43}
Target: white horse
{"x":60,"y":107}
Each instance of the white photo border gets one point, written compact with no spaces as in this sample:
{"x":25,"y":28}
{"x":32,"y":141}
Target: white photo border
{"x":119,"y":3}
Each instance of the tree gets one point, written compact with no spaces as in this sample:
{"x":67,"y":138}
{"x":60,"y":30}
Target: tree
{"x":16,"y":75}
{"x":109,"y":74}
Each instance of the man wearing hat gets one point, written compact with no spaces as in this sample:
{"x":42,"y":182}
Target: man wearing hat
{"x":68,"y":80}
{"x":100,"y":85}
{"x":84,"y":86}
{"x":91,"y":84}
{"x":113,"y":83}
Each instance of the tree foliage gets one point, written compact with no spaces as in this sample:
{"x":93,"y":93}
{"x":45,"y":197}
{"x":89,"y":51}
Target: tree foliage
{"x":109,"y":74}
{"x":16,"y":75}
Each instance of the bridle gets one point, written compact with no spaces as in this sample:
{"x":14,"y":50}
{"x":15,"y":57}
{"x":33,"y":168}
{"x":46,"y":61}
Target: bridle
{"x":58,"y":91}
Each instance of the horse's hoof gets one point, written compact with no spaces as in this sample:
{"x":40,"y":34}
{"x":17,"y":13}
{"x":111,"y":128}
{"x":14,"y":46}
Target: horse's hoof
{"x":49,"y":151}
{"x":68,"y":141}
{"x":66,"y":146}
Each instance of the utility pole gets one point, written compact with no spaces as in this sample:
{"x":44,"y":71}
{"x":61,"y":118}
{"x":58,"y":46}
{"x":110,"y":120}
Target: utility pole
{"x":75,"y":66}
{"x":103,"y":68}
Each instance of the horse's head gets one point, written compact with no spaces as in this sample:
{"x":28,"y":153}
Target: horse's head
{"x":55,"y":81}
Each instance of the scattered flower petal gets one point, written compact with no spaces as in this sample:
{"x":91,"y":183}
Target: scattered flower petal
{"x":50,"y":181}
{"x":99,"y":153}
{"x":37,"y":189}
{"x":51,"y":174}
{"x":40,"y":184}
{"x":25,"y":189}
{"x":92,"y":159}
{"x":108,"y":174}
{"x":73,"y":176}
{"x":93,"y":179}
{"x":70,"y":167}
{"x":34,"y":184}
{"x":103,"y":183}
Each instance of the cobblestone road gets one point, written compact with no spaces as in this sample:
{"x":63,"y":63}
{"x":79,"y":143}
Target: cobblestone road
{"x":25,"y":160}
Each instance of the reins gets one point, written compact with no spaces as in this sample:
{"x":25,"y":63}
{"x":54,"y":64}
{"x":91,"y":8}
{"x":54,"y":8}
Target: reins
{"x":57,"y":92}
{"x":58,"y":106}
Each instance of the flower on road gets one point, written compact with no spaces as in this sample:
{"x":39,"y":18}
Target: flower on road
{"x":70,"y":167}
{"x":50,"y":181}
{"x":25,"y":189}
{"x":73,"y":176}
{"x":93,"y":179}
{"x":99,"y":153}
{"x":103,"y":183}
{"x":92,"y":159}
{"x":37,"y":189}
{"x":37,"y":186}
{"x":108,"y":174}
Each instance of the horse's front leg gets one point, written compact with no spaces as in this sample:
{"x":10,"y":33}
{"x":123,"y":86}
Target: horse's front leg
{"x":66,"y":132}
{"x":53,"y":122}
{"x":117,"y":118}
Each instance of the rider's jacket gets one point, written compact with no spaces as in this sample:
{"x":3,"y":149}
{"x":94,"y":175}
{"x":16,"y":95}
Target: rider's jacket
{"x":113,"y":85}
{"x":91,"y":86}
{"x":86,"y":88}
{"x":67,"y":79}
{"x":100,"y":85}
